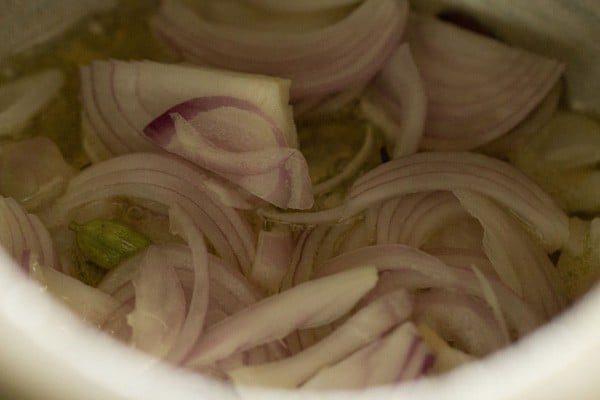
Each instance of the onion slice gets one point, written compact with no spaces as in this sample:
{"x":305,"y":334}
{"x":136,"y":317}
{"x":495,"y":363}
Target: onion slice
{"x":350,"y":50}
{"x":159,"y":311}
{"x":33,"y":181}
{"x":397,"y":103}
{"x":364,"y":326}
{"x":400,"y":355}
{"x":198,"y":131}
{"x":432,"y":171}
{"x":310,"y":304}
{"x":478,"y":89}
{"x":121,"y":98}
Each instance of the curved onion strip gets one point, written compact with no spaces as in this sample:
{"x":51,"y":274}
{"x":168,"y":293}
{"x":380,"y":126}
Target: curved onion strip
{"x":449,"y":171}
{"x":349,"y":169}
{"x":304,"y":6}
{"x":183,"y":225}
{"x":478,"y":88}
{"x":398,"y":356}
{"x":229,"y":292}
{"x":272,"y":172}
{"x":363,"y":327}
{"x":532,"y":275}
{"x":350,"y":51}
{"x":91,"y":304}
{"x":452,"y":171}
{"x":121,"y":98}
{"x":465,"y":321}
{"x":492,"y":300}
{"x":416,"y":217}
{"x":24,"y":233}
{"x":310,"y":304}
{"x":273,"y":257}
{"x":22,"y":99}
{"x":160,"y":306}
{"x":427,"y":271}
{"x":224,"y":227}
{"x":172,"y":165}
{"x":396,"y":102}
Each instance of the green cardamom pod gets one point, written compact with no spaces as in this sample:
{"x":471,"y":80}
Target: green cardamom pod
{"x":107,"y":243}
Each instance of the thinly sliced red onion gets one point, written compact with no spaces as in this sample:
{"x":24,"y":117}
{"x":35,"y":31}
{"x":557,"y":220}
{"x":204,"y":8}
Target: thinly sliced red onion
{"x":230,"y":290}
{"x":525,"y":267}
{"x":423,"y":172}
{"x":91,"y":304}
{"x":305,"y":6}
{"x":467,"y":322}
{"x":23,"y":233}
{"x":121,"y":98}
{"x":363,"y":327}
{"x":350,"y":51}
{"x":226,"y":229}
{"x":399,"y":356}
{"x":397,"y":103}
{"x":492,"y":300}
{"x":273,"y":257}
{"x":160,"y":307}
{"x":351,"y":168}
{"x":207,"y":131}
{"x":532,"y":125}
{"x":304,"y":255}
{"x":307,"y":305}
{"x":33,"y":181}
{"x":478,"y":88}
{"x":416,"y":217}
{"x":424,"y":271}
{"x":22,"y":99}
{"x":184,"y":226}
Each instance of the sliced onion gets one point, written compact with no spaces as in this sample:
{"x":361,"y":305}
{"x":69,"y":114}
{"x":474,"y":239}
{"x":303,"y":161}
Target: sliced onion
{"x":121,"y":98}
{"x":22,"y":99}
{"x":397,"y":103}
{"x":399,"y":356}
{"x":416,"y":217}
{"x":423,"y":172}
{"x":421,"y":270}
{"x":23,"y":234}
{"x":33,"y":181}
{"x":364,"y":326}
{"x":269,"y":170}
{"x":478,"y":88}
{"x":307,"y":305}
{"x":273,"y":257}
{"x":184,"y":226}
{"x":92,"y":305}
{"x":159,"y":311}
{"x":159,"y":180}
{"x":349,"y":51}
{"x":467,"y":322}
{"x":525,"y":268}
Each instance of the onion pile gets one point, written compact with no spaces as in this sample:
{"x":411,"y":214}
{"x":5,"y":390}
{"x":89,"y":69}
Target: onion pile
{"x":242,"y":271}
